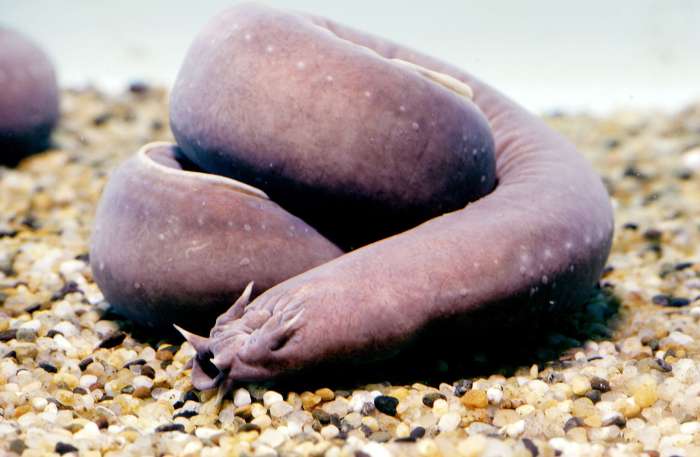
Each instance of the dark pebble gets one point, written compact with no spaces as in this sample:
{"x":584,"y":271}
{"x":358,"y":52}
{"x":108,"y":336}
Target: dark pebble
{"x":101,"y":119}
{"x":572,"y":423}
{"x":661,"y":300}
{"x":10,"y":355}
{"x":51,"y":333}
{"x":48,"y":367}
{"x":7,"y":335}
{"x":386,"y":404}
{"x":593,"y":395}
{"x":191,"y":395}
{"x":429,"y":399}
{"x":80,"y":391}
{"x":678,"y":302}
{"x":85,"y":257}
{"x":8,"y":233}
{"x":684,"y":174}
{"x":17,"y":446}
{"x":335,"y":420}
{"x":113,"y":340}
{"x":171,"y":428}
{"x":417,"y":433}
{"x":84,"y":363}
{"x":366,"y":430}
{"x":31,"y":308}
{"x":68,"y":288}
{"x":664,"y":365}
{"x":652,"y":234}
{"x":186,"y":413}
{"x":64,"y":448}
{"x":553,"y":377}
{"x":134,"y":362}
{"x":249,"y":428}
{"x":530,"y":446}
{"x":361,"y":454}
{"x":600,"y":384}
{"x":148,"y":371}
{"x":631,"y":226}
{"x":138,"y":87}
{"x":462,"y":387}
{"x":102,"y":423}
{"x":620,"y":421}
{"x":367,"y":408}
{"x":683,"y":265}
{"x":128,"y":390}
{"x":321,"y":416}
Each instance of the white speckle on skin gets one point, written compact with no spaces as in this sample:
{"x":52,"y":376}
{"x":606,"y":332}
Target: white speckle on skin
{"x":368,"y":94}
{"x":476,"y":265}
{"x":587,"y":240}
{"x":547,"y":253}
{"x":269,"y":48}
{"x":483,"y":178}
{"x":301,"y":65}
{"x":161,"y":236}
{"x":545,"y":279}
{"x":246,"y":227}
{"x":571,"y":268}
{"x":248,"y":37}
{"x":245,"y":261}
{"x":137,"y":285}
{"x":415,"y":125}
{"x":402,"y":108}
{"x":102,"y":266}
{"x":200,"y":220}
{"x":329,"y":78}
{"x":568,"y":245}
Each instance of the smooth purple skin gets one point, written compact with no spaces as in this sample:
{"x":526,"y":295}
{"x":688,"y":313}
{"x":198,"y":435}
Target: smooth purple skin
{"x":28,"y":97}
{"x":174,"y":246}
{"x":359,"y":147}
{"x":535,"y":245}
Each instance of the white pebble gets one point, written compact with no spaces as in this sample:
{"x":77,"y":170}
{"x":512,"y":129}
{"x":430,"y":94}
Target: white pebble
{"x":272,"y":437}
{"x":685,"y":371}
{"x":690,"y":428}
{"x":241,"y":397}
{"x":271,"y":397}
{"x":339,"y":407}
{"x":449,"y":422}
{"x":440,"y":407}
{"x":87,"y":380}
{"x":691,"y":159}
{"x":677,"y":338}
{"x":89,"y":430}
{"x":494,"y":395}
{"x":33,"y":325}
{"x":329,"y":431}
{"x":280,"y":409}
{"x":66,"y":328}
{"x":515,"y":429}
{"x":142,"y":381}
{"x":374,"y":449}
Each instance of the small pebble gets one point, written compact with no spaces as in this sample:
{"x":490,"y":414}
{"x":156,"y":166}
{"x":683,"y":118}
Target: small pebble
{"x":386,"y":404}
{"x":64,"y":448}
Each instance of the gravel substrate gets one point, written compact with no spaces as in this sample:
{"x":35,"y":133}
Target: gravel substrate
{"x":621,"y":378}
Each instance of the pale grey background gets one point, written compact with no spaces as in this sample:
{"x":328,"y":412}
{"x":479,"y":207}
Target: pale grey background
{"x":593,"y":55}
